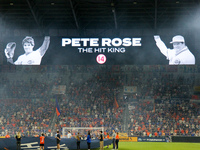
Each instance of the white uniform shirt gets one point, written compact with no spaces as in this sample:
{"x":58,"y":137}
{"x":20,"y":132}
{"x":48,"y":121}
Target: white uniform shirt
{"x":182,"y":57}
{"x":34,"y":58}
{"x":69,"y":135}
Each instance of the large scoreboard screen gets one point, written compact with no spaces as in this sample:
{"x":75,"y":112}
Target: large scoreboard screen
{"x":133,"y":50}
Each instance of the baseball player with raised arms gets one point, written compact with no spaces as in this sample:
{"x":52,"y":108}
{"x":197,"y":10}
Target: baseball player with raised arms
{"x":179,"y":55}
{"x":30,"y":57}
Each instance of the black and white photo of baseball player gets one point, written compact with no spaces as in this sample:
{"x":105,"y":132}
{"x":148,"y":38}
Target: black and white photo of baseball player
{"x":179,"y":55}
{"x":30,"y":57}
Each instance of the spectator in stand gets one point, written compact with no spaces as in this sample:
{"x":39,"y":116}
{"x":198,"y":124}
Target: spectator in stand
{"x":69,"y":135}
{"x":7,"y":136}
{"x":156,"y":134}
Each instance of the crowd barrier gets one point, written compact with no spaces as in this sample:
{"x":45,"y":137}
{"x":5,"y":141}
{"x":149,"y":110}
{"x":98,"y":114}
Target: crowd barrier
{"x":185,"y":139}
{"x":32,"y":143}
{"x":151,"y":139}
{"x":128,"y":139}
{"x":142,"y":139}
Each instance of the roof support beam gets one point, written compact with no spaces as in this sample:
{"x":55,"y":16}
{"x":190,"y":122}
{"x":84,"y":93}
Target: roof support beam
{"x":34,"y":15}
{"x":114,"y":15}
{"x":74,"y":14}
{"x":115,"y":19}
{"x":156,"y":15}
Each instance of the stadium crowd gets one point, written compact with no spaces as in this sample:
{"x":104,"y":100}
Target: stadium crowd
{"x":94,"y":97}
{"x":30,"y":117}
{"x":164,"y":118}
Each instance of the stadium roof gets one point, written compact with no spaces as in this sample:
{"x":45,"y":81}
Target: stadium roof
{"x":94,"y":14}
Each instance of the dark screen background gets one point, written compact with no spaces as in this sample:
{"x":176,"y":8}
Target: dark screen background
{"x":147,"y":54}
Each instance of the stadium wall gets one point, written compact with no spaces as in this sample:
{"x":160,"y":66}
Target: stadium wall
{"x":185,"y":139}
{"x":32,"y":143}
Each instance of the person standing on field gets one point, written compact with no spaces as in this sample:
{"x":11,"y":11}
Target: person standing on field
{"x":18,"y":138}
{"x":78,"y":137}
{"x":101,"y":140}
{"x":42,"y":142}
{"x":108,"y":138}
{"x":113,"y":139}
{"x":58,"y":140}
{"x":88,"y":140}
{"x":117,"y":140}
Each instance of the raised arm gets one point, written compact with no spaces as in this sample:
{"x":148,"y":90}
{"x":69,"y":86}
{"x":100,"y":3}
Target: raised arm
{"x":44,"y":46}
{"x":161,"y":45}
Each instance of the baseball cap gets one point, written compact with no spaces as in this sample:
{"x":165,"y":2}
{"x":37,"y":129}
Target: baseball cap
{"x":178,"y":38}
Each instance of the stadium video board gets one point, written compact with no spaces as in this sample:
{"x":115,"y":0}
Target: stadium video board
{"x":134,"y":50}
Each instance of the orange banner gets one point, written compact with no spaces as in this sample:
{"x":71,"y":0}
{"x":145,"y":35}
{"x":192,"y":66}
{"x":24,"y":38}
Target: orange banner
{"x":128,"y":139}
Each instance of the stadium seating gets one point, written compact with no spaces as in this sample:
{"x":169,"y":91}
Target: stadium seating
{"x":161,"y":107}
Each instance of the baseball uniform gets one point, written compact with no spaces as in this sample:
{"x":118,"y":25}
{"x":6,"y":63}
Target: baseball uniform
{"x":34,"y":58}
{"x":176,"y":57}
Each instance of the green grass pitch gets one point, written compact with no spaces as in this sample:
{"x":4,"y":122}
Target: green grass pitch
{"x":155,"y":146}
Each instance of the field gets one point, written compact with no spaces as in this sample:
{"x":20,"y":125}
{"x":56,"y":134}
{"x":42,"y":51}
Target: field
{"x":155,"y":146}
